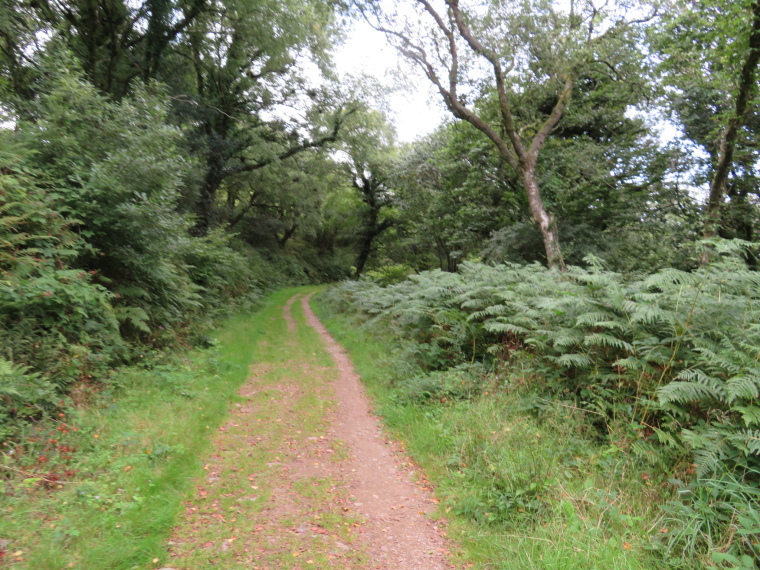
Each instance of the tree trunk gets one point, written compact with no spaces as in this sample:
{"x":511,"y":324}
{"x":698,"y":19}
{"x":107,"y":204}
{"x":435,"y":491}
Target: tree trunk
{"x":206,"y":203}
{"x":287,"y":235}
{"x":361,"y":260}
{"x":741,"y":214}
{"x":547,"y":224}
{"x":451,"y":263}
{"x":368,"y":238}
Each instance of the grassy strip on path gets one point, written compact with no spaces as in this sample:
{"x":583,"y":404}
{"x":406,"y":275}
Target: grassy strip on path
{"x":519,"y":493}
{"x":273,"y":494}
{"x":101,"y":486}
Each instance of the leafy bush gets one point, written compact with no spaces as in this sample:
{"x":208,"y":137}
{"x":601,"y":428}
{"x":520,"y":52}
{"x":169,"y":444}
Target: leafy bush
{"x":95,"y":259}
{"x":462,"y":382}
{"x":117,"y":171}
{"x":52,"y":316}
{"x":24,"y":396}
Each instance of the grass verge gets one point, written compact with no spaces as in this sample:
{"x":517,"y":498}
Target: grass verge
{"x":521,"y":489}
{"x":101,"y":486}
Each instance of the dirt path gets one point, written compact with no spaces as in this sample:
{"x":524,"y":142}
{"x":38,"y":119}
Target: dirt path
{"x":302,"y":475}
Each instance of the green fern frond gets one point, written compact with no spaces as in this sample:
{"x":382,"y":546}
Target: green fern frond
{"x":747,"y":387}
{"x":575,"y":360}
{"x":601,"y":339}
{"x":750,"y":414}
{"x":668,"y":277}
{"x":592,"y":319}
{"x":687,"y":393}
{"x":500,"y":327}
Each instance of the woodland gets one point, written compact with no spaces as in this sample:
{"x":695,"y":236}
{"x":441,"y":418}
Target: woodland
{"x":580,"y":229}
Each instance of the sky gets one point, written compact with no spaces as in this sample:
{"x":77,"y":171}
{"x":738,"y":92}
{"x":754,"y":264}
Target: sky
{"x":415,"y":109}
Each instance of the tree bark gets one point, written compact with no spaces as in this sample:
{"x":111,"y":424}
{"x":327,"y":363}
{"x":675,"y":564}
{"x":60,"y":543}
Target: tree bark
{"x":545,"y":221}
{"x":370,"y":234}
{"x":287,"y":235}
{"x":370,"y":188}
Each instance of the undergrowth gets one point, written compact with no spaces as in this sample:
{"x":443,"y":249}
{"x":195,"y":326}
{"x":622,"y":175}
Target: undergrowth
{"x":658,"y":375}
{"x":99,"y":484}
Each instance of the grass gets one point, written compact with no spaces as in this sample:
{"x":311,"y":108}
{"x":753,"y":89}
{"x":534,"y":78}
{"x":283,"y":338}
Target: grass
{"x":131,"y":462}
{"x":252,"y":509}
{"x":521,"y":490}
{"x":117,"y":465}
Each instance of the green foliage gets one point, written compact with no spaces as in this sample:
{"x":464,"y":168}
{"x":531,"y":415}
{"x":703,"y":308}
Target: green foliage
{"x":24,"y":396}
{"x":461,"y":382}
{"x":672,"y":355}
{"x":95,"y":259}
{"x":708,"y":515}
{"x":53,"y":317}
{"x":116,"y":170}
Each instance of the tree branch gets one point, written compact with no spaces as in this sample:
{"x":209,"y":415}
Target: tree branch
{"x":292,"y":151}
{"x":501,"y":90}
{"x":552,"y":120}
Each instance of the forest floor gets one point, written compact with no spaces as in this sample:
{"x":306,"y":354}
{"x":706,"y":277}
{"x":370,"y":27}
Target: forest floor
{"x":302,"y":475}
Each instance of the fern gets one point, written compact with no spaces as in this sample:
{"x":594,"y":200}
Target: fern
{"x":750,"y":414}
{"x":678,"y":350}
{"x":600,"y":339}
{"x":746,"y":387}
{"x":576,"y":360}
{"x":687,"y":392}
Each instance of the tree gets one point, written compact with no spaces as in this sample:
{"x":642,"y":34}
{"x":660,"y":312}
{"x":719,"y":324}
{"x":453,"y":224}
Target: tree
{"x":602,"y":172}
{"x":711,"y":52}
{"x":233,"y":86}
{"x":269,"y":206}
{"x":535,"y":42}
{"x":368,"y":147}
{"x":453,"y":192}
{"x":231,"y":67}
{"x":116,"y":42}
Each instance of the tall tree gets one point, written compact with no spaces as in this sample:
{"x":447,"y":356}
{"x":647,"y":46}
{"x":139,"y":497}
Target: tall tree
{"x":536,"y":42}
{"x":453,"y":192}
{"x":232,"y":67}
{"x":116,"y":41}
{"x":711,"y":53}
{"x":368,"y":144}
{"x":236,"y":85}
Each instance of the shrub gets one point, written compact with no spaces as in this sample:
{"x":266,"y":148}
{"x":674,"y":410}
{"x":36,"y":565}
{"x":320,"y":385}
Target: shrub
{"x":24,"y":396}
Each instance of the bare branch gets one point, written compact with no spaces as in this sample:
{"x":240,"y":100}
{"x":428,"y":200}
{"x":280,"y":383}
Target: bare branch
{"x":501,"y":90}
{"x":552,"y":120}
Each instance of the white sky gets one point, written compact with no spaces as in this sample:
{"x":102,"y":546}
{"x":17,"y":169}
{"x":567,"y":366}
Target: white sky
{"x":415,"y":109}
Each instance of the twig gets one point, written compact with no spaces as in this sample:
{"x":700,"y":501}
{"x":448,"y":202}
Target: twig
{"x":572,"y":407}
{"x":37,"y":476}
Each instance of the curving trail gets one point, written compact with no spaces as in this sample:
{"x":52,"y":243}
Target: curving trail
{"x":302,"y":475}
{"x":396,"y":533}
